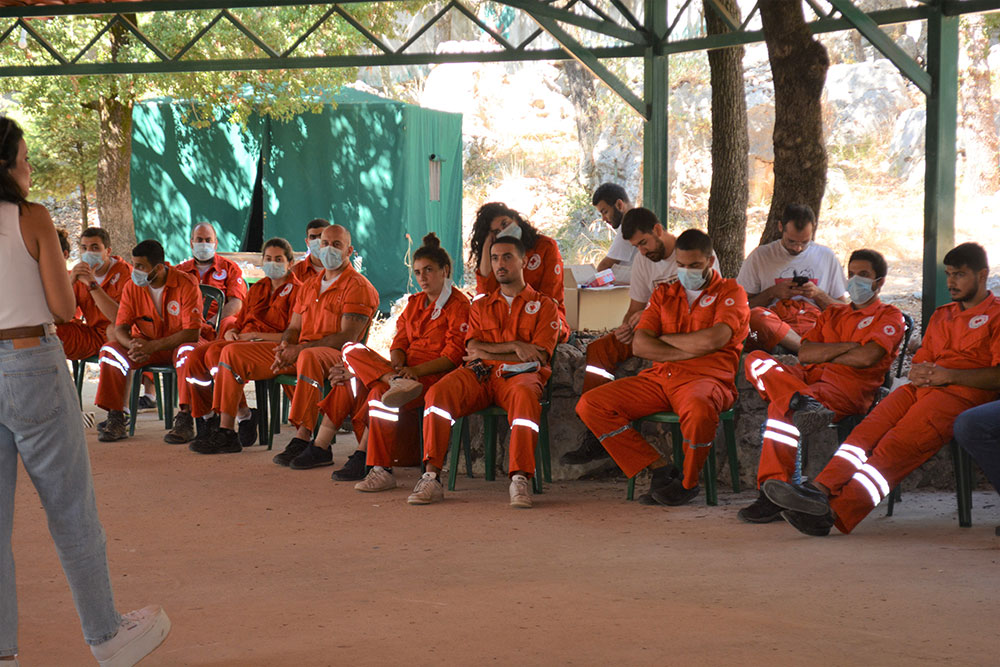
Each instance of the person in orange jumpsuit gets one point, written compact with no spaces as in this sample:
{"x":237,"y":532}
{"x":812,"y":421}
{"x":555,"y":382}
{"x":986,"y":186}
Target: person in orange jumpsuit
{"x":543,"y":264}
{"x":790,"y":281}
{"x":429,"y":342}
{"x":263,"y":317}
{"x":332,"y":309}
{"x":208,"y":268}
{"x":98,"y":281}
{"x":158,"y":322}
{"x":957,"y":367}
{"x":845,"y":358}
{"x":693,"y":331}
{"x":310,"y":265}
{"x":512,"y":335}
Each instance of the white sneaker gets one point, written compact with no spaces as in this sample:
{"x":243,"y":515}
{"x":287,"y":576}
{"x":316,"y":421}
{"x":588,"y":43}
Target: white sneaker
{"x":428,"y":490}
{"x":520,"y":492}
{"x":138,"y":635}
{"x":401,"y":391}
{"x":378,"y":479}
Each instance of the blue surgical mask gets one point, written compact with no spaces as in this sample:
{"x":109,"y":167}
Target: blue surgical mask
{"x":861,"y":289}
{"x":140,"y":278}
{"x":331,"y":257}
{"x":313,"y":247}
{"x":274,"y":270}
{"x":513,"y":231}
{"x":204,"y":251}
{"x":692,"y":279}
{"x":93,"y":259}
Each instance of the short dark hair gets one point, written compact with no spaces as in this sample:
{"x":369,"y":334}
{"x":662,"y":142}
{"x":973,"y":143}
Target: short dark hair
{"x":638,"y":219}
{"x":150,"y":250}
{"x":317,"y":223}
{"x":102,"y":234}
{"x":63,"y":240}
{"x":517,"y":243}
{"x":799,"y":215}
{"x":278,"y":242}
{"x":609,"y":193}
{"x":10,"y":140}
{"x":695,"y":239}
{"x":432,"y":250}
{"x":969,"y":254}
{"x":874,"y":258}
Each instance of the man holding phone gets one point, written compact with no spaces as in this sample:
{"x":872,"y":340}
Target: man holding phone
{"x":790,"y":282}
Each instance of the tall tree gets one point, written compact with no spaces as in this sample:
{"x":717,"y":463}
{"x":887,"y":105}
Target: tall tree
{"x":730,"y":191}
{"x":798,"y":68}
{"x":979,"y":110}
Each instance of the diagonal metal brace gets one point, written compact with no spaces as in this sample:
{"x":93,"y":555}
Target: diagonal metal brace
{"x":732,"y":22}
{"x":608,"y":28}
{"x":907,"y":66}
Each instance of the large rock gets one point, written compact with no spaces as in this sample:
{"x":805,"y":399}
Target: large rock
{"x":906,"y":148}
{"x":862,"y":100}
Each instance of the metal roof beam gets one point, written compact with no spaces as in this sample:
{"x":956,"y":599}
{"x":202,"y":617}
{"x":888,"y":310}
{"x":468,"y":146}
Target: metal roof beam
{"x":609,"y":29}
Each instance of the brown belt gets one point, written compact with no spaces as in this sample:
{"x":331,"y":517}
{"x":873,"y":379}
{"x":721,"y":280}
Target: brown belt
{"x":27,"y":332}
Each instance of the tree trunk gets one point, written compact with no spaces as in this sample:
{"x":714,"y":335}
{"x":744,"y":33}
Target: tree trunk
{"x":727,"y":200}
{"x":114,"y":185}
{"x":798,"y":67}
{"x":581,"y":94}
{"x":84,"y":206}
{"x":978,"y":108}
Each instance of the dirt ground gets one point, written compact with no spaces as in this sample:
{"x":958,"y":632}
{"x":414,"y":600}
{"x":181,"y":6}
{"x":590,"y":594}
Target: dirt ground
{"x":262,"y":565}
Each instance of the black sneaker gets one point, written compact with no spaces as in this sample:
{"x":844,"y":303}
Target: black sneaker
{"x":205,"y":428}
{"x":804,"y":498}
{"x":662,"y":478}
{"x":183,"y":430}
{"x":312,"y":457}
{"x":761,"y":510}
{"x":590,"y":449}
{"x":115,"y":427}
{"x":292,"y":449}
{"x":809,"y":524}
{"x":675,"y":494}
{"x":809,"y":414}
{"x":146,"y":403}
{"x":223,"y":441}
{"x":353,"y":470}
{"x":248,"y":429}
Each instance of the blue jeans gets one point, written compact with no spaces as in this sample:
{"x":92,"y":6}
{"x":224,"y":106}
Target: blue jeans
{"x":977,"y":430}
{"x":40,"y":420}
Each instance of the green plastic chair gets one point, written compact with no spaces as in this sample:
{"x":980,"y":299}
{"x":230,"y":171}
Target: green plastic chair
{"x":79,"y":371}
{"x":709,"y":472}
{"x":963,"y":486}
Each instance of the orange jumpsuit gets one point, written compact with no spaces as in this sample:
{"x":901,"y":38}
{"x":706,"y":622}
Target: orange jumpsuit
{"x":265,"y":311}
{"x":321,"y":314}
{"x":911,"y":424}
{"x":696,"y":389}
{"x":769,"y":325}
{"x":83,"y":338}
{"x":425,"y":331}
{"x":543,"y":270}
{"x":843,"y":389}
{"x":228,"y":277}
{"x":181,"y":305}
{"x":532,"y":317}
{"x":303,"y":269}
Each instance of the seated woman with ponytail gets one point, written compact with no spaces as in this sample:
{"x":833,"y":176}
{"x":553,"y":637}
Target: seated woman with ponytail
{"x":429,"y":342}
{"x":543,"y":264}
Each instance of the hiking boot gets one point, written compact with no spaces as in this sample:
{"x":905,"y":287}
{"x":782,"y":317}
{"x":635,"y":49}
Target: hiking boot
{"x":353,"y":470}
{"x":312,"y":457}
{"x":205,"y":427}
{"x":761,"y":510}
{"x":661,"y":478}
{"x":378,"y":479}
{"x":139,"y":634}
{"x":401,"y":391}
{"x":675,"y":494}
{"x":520,"y":492}
{"x":183,"y":430}
{"x":590,"y":449}
{"x":809,"y":414}
{"x":295,"y":447}
{"x":247,"y":429}
{"x":146,"y":403}
{"x":804,"y":498}
{"x":428,"y":490}
{"x":223,"y":441}
{"x":115,"y":427}
{"x":809,"y":524}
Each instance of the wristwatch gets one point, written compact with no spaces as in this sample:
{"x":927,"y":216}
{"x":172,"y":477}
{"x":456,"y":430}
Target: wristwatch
{"x":92,"y":286}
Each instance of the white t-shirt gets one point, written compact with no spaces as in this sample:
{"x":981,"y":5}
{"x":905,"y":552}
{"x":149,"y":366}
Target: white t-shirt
{"x":621,"y":250}
{"x":157,"y":294}
{"x":646,"y":275}
{"x":769,"y":263}
{"x":324,"y":284}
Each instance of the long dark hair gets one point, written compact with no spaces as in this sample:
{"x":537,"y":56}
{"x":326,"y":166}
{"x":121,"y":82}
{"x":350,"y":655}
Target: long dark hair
{"x":481,"y":228}
{"x":10,"y":139}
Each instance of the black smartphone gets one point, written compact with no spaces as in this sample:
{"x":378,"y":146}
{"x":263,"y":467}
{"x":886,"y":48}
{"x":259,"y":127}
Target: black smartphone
{"x":800,"y":280}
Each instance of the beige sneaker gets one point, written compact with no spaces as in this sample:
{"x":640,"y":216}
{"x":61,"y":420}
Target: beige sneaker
{"x":520,"y":492}
{"x":378,"y":479}
{"x":401,"y":391}
{"x":139,"y":633}
{"x":428,"y":490}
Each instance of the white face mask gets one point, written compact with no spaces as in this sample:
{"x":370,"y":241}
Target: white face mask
{"x":140,"y":278}
{"x":313,"y":246}
{"x":274,"y":270}
{"x":692,"y":279}
{"x":331,"y":257}
{"x":92,"y":259}
{"x":861,"y":289}
{"x":513,"y":230}
{"x":204,"y":251}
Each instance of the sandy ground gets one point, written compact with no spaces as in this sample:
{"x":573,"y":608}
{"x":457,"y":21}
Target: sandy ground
{"x":261,"y":565}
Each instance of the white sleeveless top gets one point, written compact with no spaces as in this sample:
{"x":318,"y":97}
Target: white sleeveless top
{"x":22,"y":301}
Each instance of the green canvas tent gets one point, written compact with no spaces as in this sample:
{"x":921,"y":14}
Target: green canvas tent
{"x":365,"y":163}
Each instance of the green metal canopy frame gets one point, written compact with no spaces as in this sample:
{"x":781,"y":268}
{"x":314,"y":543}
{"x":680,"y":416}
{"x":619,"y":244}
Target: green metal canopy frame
{"x":589,"y":31}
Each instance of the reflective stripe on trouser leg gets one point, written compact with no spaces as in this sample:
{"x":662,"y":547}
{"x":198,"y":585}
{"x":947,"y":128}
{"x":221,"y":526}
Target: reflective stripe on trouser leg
{"x":312,"y":365}
{"x":455,"y":395}
{"x":113,"y":368}
{"x":779,"y":450}
{"x":603,"y":355}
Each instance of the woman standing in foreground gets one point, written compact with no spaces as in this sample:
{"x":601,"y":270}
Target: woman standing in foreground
{"x":40,"y":421}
